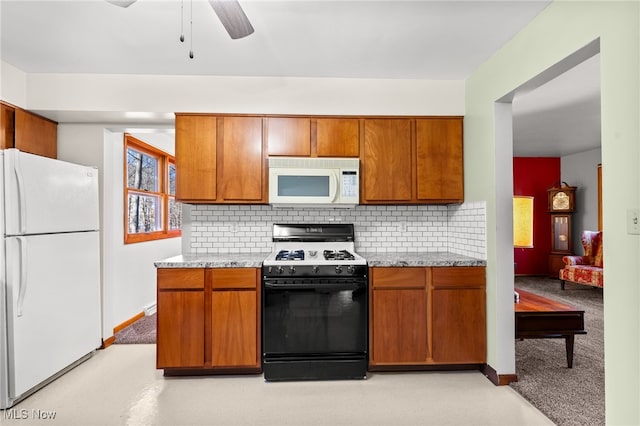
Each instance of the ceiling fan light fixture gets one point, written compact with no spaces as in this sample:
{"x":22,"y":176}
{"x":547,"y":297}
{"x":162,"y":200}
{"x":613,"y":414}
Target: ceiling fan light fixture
{"x":121,"y":3}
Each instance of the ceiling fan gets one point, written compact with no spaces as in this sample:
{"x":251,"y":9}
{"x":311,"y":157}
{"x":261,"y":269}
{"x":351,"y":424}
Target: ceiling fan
{"x":229,"y":12}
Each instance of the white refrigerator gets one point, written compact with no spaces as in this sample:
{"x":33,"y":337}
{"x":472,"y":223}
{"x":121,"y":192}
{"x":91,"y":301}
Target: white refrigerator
{"x":49,"y":270}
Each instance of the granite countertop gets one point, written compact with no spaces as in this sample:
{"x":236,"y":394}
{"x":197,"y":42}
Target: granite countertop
{"x":399,"y":259}
{"x":254,"y":260}
{"x":221,"y":260}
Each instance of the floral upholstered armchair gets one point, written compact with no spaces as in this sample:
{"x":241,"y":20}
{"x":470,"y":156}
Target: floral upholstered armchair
{"x":585,"y":269}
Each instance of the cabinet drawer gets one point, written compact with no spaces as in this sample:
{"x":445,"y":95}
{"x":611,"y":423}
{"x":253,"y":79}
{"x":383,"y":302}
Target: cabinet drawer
{"x":178,"y":278}
{"x":398,"y":277}
{"x":233,"y":278}
{"x":458,"y":276}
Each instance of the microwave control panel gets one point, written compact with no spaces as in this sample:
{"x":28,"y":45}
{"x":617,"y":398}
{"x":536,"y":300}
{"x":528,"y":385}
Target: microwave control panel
{"x":349,"y":187}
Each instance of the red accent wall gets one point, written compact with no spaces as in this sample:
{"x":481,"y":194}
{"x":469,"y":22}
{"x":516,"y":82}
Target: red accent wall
{"x":532,"y":176}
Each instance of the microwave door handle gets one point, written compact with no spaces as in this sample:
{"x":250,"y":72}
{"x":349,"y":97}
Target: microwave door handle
{"x":335,"y":187}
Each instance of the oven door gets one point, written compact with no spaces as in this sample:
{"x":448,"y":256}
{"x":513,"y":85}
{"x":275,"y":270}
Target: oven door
{"x":315,"y":328}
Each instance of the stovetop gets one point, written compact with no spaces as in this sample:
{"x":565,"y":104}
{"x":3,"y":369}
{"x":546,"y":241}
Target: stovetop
{"x":314,"y":250}
{"x":328,"y":253}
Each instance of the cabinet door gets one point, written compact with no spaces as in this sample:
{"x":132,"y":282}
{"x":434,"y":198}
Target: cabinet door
{"x":459,"y":330}
{"x":234,"y":328}
{"x":7,"y":116}
{"x":180,"y":329}
{"x":459,"y":317}
{"x":338,"y":137}
{"x":35,"y":134}
{"x":399,"y":316}
{"x":386,"y":161}
{"x":289,"y":136}
{"x":439,"y":159}
{"x":399,"y":326}
{"x":242,"y":168}
{"x":196,"y":158}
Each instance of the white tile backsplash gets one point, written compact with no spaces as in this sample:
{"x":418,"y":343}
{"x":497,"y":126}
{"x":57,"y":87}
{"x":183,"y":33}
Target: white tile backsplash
{"x":458,"y":229}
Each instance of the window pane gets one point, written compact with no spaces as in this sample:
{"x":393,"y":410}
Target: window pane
{"x":175,"y":214}
{"x":145,"y":213}
{"x":142,"y":171}
{"x":172,"y":179}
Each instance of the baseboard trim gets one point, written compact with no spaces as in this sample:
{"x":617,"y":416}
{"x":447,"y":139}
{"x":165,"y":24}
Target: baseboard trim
{"x":498,"y":379}
{"x":128,"y":322}
{"x":108,"y":342}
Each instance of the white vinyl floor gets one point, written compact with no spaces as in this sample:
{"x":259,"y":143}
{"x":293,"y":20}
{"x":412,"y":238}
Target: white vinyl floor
{"x":120,"y":386}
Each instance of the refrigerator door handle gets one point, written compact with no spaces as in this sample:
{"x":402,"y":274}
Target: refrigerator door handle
{"x":21,"y":195}
{"x":22,"y":289}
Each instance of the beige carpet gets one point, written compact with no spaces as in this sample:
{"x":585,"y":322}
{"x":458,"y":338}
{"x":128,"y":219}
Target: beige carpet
{"x":568,"y":396}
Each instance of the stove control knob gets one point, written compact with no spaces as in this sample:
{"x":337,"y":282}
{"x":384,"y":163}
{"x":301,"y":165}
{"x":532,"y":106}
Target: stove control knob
{"x":279,"y":270}
{"x":292,"y":269}
{"x":315,"y":269}
{"x":338,"y":269}
{"x":351,"y":269}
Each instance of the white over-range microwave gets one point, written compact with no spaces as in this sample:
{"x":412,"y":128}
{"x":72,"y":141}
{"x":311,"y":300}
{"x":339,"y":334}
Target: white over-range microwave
{"x":317,"y":182}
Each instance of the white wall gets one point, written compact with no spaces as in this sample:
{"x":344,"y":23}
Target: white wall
{"x":128,"y":274}
{"x":162,"y":94}
{"x":556,"y":33}
{"x":581,"y":170}
{"x":13,"y":84}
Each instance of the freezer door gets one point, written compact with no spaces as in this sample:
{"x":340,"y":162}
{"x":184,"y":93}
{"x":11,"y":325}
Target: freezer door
{"x":53,"y":305}
{"x":43,"y":195}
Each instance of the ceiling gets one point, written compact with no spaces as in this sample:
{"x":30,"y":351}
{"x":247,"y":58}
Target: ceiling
{"x":346,"y":39}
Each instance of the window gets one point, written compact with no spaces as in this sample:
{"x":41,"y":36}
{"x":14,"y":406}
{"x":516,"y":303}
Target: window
{"x":151,"y":211}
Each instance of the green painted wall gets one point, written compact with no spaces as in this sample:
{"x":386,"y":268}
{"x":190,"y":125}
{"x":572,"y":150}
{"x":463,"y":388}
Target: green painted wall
{"x":560,"y":30}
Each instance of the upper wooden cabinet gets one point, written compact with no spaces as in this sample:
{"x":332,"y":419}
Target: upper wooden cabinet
{"x":27,"y":132}
{"x":196,"y":158}
{"x":387,"y":172}
{"x":337,"y":137}
{"x":403,"y":160}
{"x":313,"y":137}
{"x":7,"y":117}
{"x":439,"y":168}
{"x":289,"y":136}
{"x":412,"y":161}
{"x":219,"y":159}
{"x":241,"y":163}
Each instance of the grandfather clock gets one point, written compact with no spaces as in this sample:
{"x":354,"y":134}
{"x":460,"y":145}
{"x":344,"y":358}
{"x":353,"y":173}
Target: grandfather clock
{"x":561,"y":205}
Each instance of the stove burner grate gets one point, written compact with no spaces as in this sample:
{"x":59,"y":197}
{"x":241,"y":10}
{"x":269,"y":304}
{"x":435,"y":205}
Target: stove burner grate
{"x":290,"y":255}
{"x":338,"y":255}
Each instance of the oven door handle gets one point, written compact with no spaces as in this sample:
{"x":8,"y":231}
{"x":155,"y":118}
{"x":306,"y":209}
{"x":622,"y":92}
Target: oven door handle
{"x":315,"y":286}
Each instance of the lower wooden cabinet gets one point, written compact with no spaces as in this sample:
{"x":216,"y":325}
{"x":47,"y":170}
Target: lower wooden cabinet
{"x":399,"y":309}
{"x":180,"y":334}
{"x":427,"y":316}
{"x":459,"y":315}
{"x":208,"y":320}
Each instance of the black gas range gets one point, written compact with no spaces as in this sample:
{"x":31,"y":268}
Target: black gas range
{"x":315,"y":304}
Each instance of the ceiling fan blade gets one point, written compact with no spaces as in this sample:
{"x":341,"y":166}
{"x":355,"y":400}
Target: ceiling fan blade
{"x":121,"y":3}
{"x":232,"y":17}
